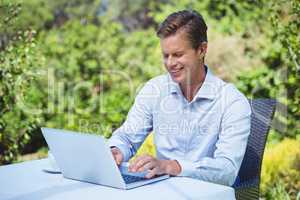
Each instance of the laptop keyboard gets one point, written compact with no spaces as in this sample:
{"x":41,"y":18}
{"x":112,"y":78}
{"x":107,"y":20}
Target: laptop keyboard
{"x":131,"y":179}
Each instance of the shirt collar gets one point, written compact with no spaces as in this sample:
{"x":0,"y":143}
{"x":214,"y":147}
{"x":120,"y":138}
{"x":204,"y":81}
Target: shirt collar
{"x":208,"y":89}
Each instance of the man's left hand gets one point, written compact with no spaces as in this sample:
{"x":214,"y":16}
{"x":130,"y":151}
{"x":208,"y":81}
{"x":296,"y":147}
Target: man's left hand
{"x":154,"y":166}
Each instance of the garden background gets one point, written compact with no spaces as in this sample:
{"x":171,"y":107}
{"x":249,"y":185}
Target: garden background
{"x":77,"y":65}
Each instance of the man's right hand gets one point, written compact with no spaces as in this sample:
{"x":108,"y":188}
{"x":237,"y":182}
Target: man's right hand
{"x":117,"y":154}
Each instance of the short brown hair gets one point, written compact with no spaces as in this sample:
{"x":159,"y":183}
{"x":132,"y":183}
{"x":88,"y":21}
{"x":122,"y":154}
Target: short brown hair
{"x":190,"y":21}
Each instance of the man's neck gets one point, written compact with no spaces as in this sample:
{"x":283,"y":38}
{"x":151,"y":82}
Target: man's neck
{"x":192,"y":86}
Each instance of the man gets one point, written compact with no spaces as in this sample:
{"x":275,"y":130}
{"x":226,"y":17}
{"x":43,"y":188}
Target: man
{"x":200,"y":123}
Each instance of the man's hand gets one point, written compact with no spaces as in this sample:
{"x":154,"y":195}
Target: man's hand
{"x":117,"y":154}
{"x":154,"y":166}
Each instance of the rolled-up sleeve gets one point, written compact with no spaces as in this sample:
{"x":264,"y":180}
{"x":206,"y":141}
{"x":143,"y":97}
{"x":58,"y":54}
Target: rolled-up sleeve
{"x":223,"y":166}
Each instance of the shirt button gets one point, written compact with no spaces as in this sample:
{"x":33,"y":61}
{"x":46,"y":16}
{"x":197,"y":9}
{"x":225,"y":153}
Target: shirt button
{"x":185,"y":109}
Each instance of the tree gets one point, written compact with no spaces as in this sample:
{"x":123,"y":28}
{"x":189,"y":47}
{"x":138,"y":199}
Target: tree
{"x":18,"y":57}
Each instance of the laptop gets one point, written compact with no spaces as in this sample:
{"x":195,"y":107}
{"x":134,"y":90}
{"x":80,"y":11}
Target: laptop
{"x":88,"y":158}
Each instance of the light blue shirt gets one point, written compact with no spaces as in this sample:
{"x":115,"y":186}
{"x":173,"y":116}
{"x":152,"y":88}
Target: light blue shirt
{"x":207,"y":136}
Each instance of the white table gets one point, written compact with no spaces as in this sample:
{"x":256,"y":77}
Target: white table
{"x":27,"y":181}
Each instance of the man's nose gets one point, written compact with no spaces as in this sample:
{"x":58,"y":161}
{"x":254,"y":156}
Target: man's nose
{"x":171,"y":61}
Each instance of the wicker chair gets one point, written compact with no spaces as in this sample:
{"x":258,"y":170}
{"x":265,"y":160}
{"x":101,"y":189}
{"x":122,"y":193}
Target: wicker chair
{"x":247,"y":184}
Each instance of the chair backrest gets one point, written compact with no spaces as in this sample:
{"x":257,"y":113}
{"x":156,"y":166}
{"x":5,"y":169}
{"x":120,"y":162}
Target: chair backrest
{"x":261,"y":118}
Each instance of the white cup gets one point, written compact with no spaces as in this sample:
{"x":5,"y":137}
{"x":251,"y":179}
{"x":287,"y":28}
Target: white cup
{"x":52,"y":162}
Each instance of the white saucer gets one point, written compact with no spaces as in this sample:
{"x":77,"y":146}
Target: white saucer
{"x":51,"y":170}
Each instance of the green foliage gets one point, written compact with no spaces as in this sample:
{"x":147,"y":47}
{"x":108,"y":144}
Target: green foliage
{"x":48,"y":14}
{"x":17,"y":58}
{"x":280,"y":78}
{"x":281,"y":170}
{"x":147,"y":147}
{"x":79,"y":62}
{"x":87,"y":81}
{"x":220,"y":15}
{"x":278,"y":192}
{"x":90,"y":72}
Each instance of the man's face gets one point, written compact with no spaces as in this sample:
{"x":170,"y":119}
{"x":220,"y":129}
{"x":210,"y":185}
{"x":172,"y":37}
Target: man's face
{"x":181,"y":60}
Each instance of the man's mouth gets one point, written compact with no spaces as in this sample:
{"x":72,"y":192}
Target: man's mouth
{"x":177,"y":70}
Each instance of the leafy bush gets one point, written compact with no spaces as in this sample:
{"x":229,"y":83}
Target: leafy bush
{"x":93,"y":73}
{"x":147,"y":147}
{"x":280,"y":77}
{"x":81,"y":73}
{"x":281,"y":169}
{"x":18,"y":57}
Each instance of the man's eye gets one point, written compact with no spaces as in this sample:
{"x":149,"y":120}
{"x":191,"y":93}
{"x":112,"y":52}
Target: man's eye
{"x":177,"y":55}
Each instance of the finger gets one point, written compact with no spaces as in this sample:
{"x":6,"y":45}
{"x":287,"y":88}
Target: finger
{"x":118,"y":158}
{"x":142,"y":162}
{"x":115,"y":158}
{"x":134,"y":162}
{"x":114,"y":150}
{"x":151,"y":173}
{"x":148,"y":166}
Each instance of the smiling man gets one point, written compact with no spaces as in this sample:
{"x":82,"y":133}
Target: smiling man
{"x":200,"y":123}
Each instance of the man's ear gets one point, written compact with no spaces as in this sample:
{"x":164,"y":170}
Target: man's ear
{"x":202,"y":49}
